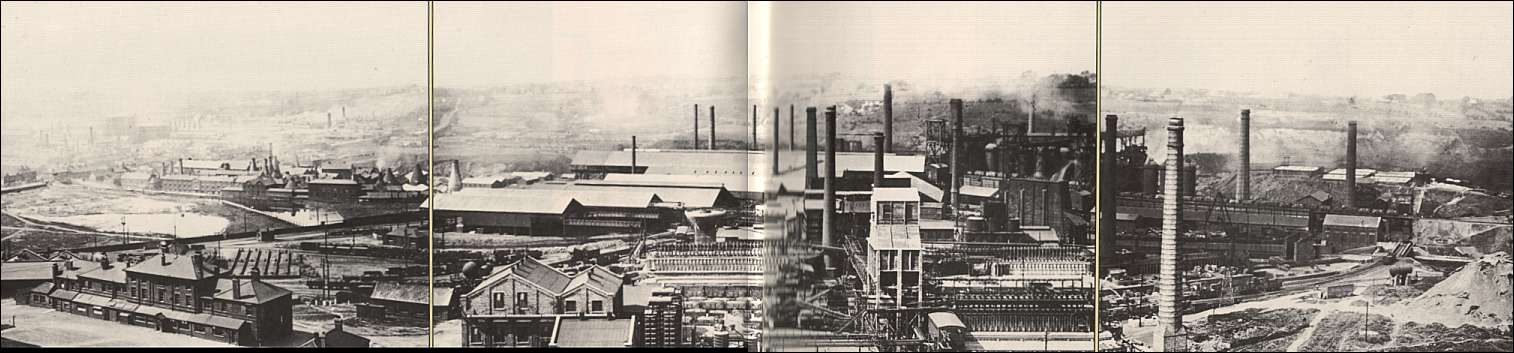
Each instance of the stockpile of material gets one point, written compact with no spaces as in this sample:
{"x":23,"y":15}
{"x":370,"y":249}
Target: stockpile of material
{"x":1478,"y":294}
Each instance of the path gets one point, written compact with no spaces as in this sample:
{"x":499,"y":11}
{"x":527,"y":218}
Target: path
{"x":1308,"y":332}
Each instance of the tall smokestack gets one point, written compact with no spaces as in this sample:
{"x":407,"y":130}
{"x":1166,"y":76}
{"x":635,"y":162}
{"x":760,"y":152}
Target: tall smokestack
{"x":753,"y":145}
{"x":792,"y":128}
{"x":1030,"y":123}
{"x":776,"y":130}
{"x":1106,"y":182}
{"x":633,"y":154}
{"x":888,"y":119}
{"x":1243,"y":185}
{"x":879,"y":142}
{"x":811,"y":149}
{"x":1169,"y":321}
{"x":328,"y":120}
{"x":712,"y":127}
{"x":696,"y":126}
{"x":829,"y":219}
{"x":1351,"y":164}
{"x":956,"y":107}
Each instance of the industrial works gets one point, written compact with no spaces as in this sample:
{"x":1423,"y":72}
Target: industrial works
{"x":1244,"y":256}
{"x":633,"y":247}
{"x":973,"y":237}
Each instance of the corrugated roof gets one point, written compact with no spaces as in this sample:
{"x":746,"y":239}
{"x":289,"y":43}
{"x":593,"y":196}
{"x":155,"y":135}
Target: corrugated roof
{"x":255,"y":292}
{"x":732,"y":182}
{"x":1352,"y":221}
{"x":1297,"y":168}
{"x":588,"y":197}
{"x":520,"y":203}
{"x":594,"y":332}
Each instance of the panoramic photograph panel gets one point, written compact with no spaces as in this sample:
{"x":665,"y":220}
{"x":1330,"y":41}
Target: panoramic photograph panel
{"x":214,"y":174}
{"x":1306,"y":176}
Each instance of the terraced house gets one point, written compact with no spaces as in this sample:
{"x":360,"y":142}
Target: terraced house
{"x":175,"y":293}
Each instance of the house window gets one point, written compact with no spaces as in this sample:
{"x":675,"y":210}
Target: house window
{"x":162,"y":295}
{"x":499,"y":300}
{"x":522,"y":300}
{"x":570,"y":306}
{"x":596,"y":306}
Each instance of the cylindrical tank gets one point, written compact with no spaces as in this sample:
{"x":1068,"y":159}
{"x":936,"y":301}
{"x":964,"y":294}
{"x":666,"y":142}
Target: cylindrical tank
{"x":706,"y":223}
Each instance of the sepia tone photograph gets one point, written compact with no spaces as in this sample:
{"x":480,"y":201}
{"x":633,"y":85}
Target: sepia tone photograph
{"x":594,"y":180}
{"x":1305,"y":177}
{"x":214,"y":175}
{"x":944,"y":200}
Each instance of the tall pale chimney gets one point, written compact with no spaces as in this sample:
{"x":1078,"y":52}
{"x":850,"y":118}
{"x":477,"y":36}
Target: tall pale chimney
{"x":696,"y":126}
{"x":888,"y":119}
{"x":712,"y":127}
{"x":829,"y":218}
{"x":1169,"y":320}
{"x":1351,"y":164}
{"x":956,"y":177}
{"x":811,"y":149}
{"x":1243,"y":183}
{"x":753,"y":145}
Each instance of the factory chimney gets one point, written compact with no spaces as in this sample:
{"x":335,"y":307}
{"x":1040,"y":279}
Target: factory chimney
{"x":811,"y":149}
{"x":696,"y":126}
{"x":956,"y":177}
{"x":633,"y":155}
{"x":879,"y":143}
{"x":1169,"y":321}
{"x":792,"y":142}
{"x":712,"y":127}
{"x":1351,"y":164}
{"x":828,"y":219}
{"x":777,"y":129}
{"x":1030,"y":123}
{"x":328,"y":120}
{"x":753,"y":146}
{"x":1106,"y":182}
{"x":888,"y":119}
{"x":1243,"y":184}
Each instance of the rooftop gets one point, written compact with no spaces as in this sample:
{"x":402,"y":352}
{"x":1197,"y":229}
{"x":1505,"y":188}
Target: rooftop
{"x":592,"y":332}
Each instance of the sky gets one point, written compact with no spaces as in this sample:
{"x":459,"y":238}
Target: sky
{"x":938,"y":41}
{"x":481,"y":44}
{"x":1336,"y":49}
{"x":145,"y":52}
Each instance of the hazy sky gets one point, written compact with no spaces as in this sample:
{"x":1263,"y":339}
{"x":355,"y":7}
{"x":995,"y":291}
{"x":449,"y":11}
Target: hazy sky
{"x":147,"y":50}
{"x":486,"y":44}
{"x":1338,"y":49}
{"x":941,"y":41}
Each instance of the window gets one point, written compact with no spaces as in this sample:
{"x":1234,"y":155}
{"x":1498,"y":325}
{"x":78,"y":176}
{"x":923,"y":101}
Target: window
{"x":499,"y":300}
{"x":219,"y":332}
{"x":596,"y":306}
{"x":522,"y":299}
{"x":570,"y":306}
{"x":162,"y":295}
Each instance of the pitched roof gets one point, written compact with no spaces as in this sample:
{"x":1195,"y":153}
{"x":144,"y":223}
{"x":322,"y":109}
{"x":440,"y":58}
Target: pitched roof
{"x":529,"y":270}
{"x":253,"y":292}
{"x":80,"y":267}
{"x":27,"y":255}
{"x":734,"y":183}
{"x":116,"y":274}
{"x":597,"y":278}
{"x":589,"y":197}
{"x":177,"y":266}
{"x":896,"y":194}
{"x":1352,"y":221}
{"x":26,"y":271}
{"x":690,"y":197}
{"x":400,"y":292}
{"x":593,"y":332}
{"x":508,"y":203}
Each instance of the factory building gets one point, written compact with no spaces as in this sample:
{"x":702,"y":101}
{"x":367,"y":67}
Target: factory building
{"x":1346,"y":232}
{"x":519,"y":305}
